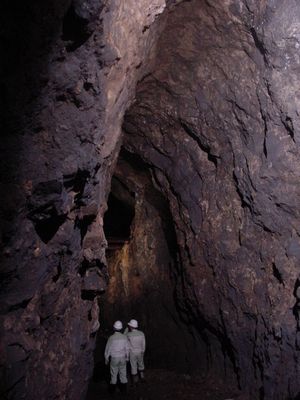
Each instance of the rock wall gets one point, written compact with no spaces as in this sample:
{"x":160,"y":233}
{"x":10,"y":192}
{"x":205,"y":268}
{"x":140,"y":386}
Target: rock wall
{"x":63,"y":95}
{"x":216,"y":122}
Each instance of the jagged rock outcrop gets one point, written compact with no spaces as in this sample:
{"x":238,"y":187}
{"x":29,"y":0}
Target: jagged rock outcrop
{"x":68,"y":73}
{"x":216,"y":123}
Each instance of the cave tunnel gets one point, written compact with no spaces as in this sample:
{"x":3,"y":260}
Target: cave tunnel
{"x":150,"y":170}
{"x":119,"y":215}
{"x":144,"y":272}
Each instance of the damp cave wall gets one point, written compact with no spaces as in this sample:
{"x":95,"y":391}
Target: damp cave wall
{"x":216,"y":121}
{"x":66,"y":79}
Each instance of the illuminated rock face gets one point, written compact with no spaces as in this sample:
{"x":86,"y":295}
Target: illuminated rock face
{"x":214,"y":126}
{"x":69,"y":73}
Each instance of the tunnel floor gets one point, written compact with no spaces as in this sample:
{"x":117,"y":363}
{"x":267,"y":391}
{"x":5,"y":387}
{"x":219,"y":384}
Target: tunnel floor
{"x":167,"y":385}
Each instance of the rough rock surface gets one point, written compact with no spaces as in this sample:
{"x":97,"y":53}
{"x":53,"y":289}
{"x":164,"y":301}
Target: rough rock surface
{"x":216,"y":122}
{"x":62,"y":103}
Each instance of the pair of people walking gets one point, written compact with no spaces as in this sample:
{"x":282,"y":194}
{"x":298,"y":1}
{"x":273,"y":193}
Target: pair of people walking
{"x":123,"y":347}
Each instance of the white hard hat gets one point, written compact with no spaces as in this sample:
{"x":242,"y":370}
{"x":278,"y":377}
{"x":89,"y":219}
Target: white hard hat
{"x":133,"y":323}
{"x":118,"y":325}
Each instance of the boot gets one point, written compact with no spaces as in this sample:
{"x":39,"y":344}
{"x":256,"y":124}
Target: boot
{"x":112,"y":389}
{"x":142,"y":376}
{"x":123,"y":388}
{"x":135,"y":380}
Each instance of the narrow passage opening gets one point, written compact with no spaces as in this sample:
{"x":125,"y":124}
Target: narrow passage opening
{"x":144,"y":271}
{"x":119,"y":215}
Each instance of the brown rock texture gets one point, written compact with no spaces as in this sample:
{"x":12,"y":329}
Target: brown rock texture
{"x":210,"y":149}
{"x":63,"y":95}
{"x":216,"y":123}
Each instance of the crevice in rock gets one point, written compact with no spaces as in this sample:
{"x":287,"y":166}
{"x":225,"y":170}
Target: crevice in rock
{"x":245,"y":203}
{"x":211,"y":157}
{"x":94,"y":279}
{"x":90,"y":295}
{"x":9,"y":392}
{"x":22,"y":305}
{"x":119,"y":215}
{"x":288,"y":124}
{"x":58,"y":274}
{"x":83,"y":224}
{"x":46,"y":209}
{"x":77,"y":182}
{"x":47,"y":228}
{"x":296,"y":308}
{"x":75,"y":30}
{"x":277,"y":274}
{"x":259,"y":45}
{"x":86,"y":265}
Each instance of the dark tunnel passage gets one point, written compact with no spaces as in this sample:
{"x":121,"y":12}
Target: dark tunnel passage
{"x":119,"y":215}
{"x":144,"y":271}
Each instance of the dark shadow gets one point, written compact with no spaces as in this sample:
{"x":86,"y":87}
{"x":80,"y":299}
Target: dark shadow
{"x":119,"y":215}
{"x":28,"y":31}
{"x":75,"y":29}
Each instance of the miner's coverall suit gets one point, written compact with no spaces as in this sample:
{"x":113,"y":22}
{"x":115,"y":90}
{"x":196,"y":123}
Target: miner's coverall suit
{"x":137,"y":346}
{"x":117,"y":348}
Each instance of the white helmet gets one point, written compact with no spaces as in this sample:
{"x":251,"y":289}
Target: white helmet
{"x":118,"y":325}
{"x":133,"y":323}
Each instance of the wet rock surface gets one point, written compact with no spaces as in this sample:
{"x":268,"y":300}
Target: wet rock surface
{"x":211,"y":123}
{"x":62,"y":102}
{"x":215,"y":127}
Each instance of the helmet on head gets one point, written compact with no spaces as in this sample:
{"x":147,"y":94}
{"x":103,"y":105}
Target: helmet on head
{"x":118,"y":325}
{"x":133,"y":323}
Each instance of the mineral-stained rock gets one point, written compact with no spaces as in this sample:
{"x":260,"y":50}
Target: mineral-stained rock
{"x":215,"y":123}
{"x":66,"y":80}
{"x":215,"y":126}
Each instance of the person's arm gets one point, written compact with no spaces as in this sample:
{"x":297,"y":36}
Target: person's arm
{"x":107,"y":351}
{"x":144,"y":344}
{"x":127,"y":349}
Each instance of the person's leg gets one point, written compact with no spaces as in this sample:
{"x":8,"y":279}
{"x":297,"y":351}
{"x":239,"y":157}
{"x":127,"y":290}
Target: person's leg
{"x":133,"y":365}
{"x":122,"y":371}
{"x":114,"y":369}
{"x":123,"y":375}
{"x":113,"y":376}
{"x":141,"y":366}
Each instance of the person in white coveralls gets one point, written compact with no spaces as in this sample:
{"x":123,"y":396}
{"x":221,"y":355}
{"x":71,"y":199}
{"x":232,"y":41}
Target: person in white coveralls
{"x":137,"y":346}
{"x":117,"y":354}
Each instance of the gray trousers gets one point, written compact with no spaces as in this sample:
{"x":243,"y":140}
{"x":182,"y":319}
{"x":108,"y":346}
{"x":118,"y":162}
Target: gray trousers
{"x":118,"y":367}
{"x":136,"y":362}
